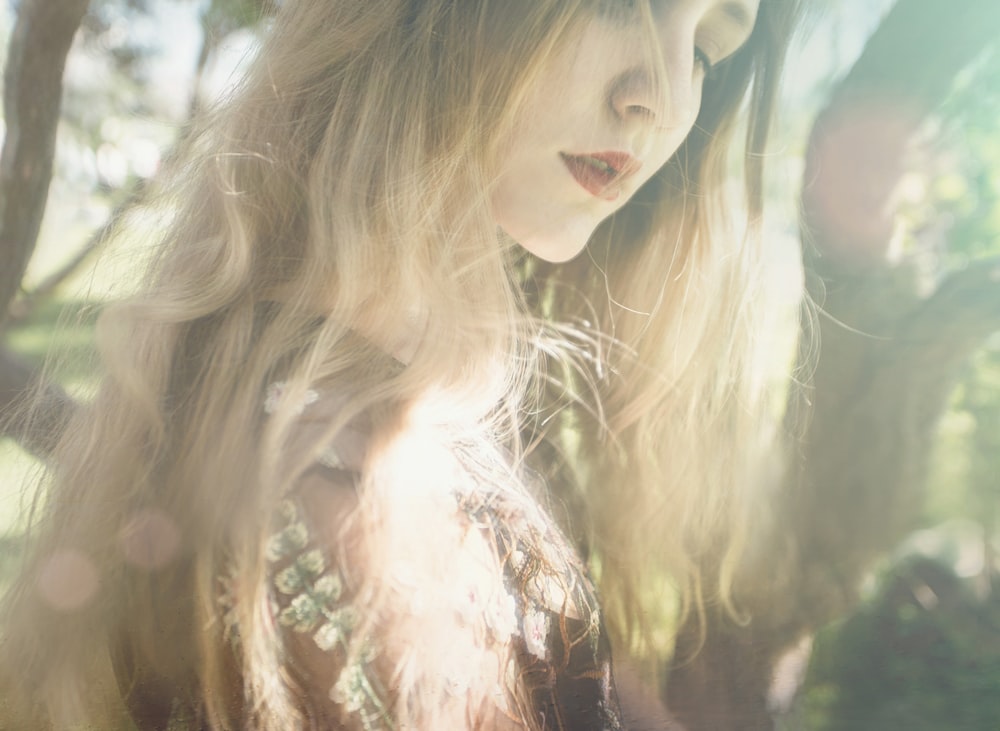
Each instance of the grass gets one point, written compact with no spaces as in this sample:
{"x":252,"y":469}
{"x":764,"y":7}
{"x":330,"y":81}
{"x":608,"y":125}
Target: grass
{"x":64,"y":328}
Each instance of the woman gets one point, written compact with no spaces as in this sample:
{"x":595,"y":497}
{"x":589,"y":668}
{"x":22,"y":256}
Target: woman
{"x":372,"y":413}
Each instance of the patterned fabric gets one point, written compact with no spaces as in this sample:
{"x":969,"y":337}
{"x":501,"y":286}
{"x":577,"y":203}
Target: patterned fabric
{"x":536,"y":609}
{"x":564,"y":667}
{"x":565,"y":661}
{"x":309,"y":594}
{"x":547,"y":618}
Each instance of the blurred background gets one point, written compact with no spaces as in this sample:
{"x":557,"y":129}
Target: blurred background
{"x":872,"y":582}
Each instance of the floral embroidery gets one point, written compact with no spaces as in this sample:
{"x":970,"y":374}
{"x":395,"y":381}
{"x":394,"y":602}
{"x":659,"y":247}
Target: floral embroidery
{"x":501,"y":616}
{"x":547,"y":580}
{"x":313,"y":591}
{"x":289,"y":540}
{"x":336,"y":630}
{"x":275,"y":393}
{"x":536,"y":632}
{"x":541,"y":577}
{"x":330,"y":458}
{"x":227,"y":605}
{"x":354,"y":691}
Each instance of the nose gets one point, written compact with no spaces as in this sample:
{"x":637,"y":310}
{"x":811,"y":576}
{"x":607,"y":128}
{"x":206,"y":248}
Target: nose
{"x":659,"y":89}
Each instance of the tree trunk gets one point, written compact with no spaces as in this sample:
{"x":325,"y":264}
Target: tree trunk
{"x":36,"y":59}
{"x":853,"y":486}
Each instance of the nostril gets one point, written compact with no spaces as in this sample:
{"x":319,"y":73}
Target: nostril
{"x":633,"y":96}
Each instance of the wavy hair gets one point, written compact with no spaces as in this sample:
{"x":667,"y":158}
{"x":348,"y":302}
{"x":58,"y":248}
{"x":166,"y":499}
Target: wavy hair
{"x":346,"y":184}
{"x":670,"y":294}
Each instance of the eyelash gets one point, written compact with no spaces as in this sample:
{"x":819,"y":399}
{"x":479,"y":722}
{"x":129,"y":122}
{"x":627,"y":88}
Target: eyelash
{"x":616,"y":7}
{"x":700,"y":57}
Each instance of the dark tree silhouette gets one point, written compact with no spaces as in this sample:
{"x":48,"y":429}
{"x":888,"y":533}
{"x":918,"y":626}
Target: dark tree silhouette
{"x":864,"y":425}
{"x":32,"y":98}
{"x":40,"y":42}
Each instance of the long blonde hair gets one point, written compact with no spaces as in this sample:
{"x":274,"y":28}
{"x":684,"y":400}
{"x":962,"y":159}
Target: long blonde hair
{"x":346,"y":182}
{"x":673,"y":287}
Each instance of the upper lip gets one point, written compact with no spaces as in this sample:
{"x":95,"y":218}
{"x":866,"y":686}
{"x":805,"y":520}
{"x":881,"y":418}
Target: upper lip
{"x":621,"y":162}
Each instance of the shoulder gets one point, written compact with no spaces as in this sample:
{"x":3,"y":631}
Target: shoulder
{"x":367,"y":590}
{"x":321,"y":431}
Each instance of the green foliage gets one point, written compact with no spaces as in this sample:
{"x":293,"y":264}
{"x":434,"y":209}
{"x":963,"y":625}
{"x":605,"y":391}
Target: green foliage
{"x":67,"y":330}
{"x":922,"y":654}
{"x":957,"y":220}
{"x":965,"y":470}
{"x":226,"y":16}
{"x":960,"y":212}
{"x":63,"y":328}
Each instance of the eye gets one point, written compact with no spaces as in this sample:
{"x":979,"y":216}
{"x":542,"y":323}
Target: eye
{"x":701,"y":59}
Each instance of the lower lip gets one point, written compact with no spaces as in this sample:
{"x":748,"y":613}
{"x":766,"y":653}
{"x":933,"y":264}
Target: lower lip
{"x":592,"y":180}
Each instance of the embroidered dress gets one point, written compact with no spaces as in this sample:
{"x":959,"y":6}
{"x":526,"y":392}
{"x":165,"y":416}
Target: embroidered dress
{"x":550,"y":622}
{"x":505,"y":620}
{"x":309,"y":602}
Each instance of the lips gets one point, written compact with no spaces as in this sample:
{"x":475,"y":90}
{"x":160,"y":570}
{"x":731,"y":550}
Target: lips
{"x":599,"y":172}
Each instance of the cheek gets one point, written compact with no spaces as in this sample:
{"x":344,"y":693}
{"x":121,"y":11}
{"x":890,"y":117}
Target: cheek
{"x":664,"y":148}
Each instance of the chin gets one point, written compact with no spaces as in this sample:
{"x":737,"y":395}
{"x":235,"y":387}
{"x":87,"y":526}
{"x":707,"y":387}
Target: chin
{"x":556,"y":247}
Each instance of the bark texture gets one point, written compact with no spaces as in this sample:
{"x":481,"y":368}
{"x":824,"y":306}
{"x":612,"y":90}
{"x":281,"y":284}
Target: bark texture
{"x":36,"y":59}
{"x":864,"y":426}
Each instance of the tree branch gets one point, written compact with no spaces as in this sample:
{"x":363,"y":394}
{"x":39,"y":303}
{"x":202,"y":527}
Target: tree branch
{"x":22,"y":308}
{"x":962,"y":312}
{"x":857,"y":149}
{"x":919,"y":48}
{"x":36,"y":60}
{"x":856,"y":476}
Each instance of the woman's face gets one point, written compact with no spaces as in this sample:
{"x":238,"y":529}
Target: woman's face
{"x":601,"y":120}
